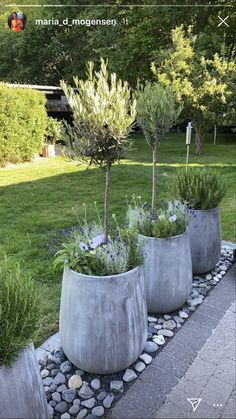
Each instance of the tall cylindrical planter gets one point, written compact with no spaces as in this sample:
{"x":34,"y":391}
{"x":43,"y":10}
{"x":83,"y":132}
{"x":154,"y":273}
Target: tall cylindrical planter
{"x":205,"y":239}
{"x":167,"y":272}
{"x":103,"y":320}
{"x":22,"y":394}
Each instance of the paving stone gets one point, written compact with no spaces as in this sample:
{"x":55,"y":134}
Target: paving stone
{"x":225,"y":371}
{"x":85,"y":392}
{"x":75,"y":382}
{"x":165,"y":332}
{"x":101,"y":396}
{"x":68,"y":395}
{"x":116,"y":386}
{"x":98,"y":411}
{"x":150,"y":347}
{"x":129,"y":375}
{"x":107,"y":402}
{"x":59,"y":379}
{"x":180,"y":351}
{"x":147,"y":359}
{"x":61,"y":407}
{"x":74,"y":409}
{"x":89,"y":403}
{"x":140,"y":366}
{"x":205,"y":320}
{"x":169,"y":364}
{"x":96,"y":384}
{"x":200,"y":371}
{"x":82,"y":414}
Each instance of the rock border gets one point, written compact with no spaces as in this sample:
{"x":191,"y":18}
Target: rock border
{"x":74,"y":394}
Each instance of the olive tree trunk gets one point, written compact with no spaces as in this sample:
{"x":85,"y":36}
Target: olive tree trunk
{"x":154,"y":180}
{"x":106,"y":201}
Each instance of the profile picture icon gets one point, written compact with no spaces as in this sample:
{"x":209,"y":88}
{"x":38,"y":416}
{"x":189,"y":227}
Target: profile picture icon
{"x":17,"y":21}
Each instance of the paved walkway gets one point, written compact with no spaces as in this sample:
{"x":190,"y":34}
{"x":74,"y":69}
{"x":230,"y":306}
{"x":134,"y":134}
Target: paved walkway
{"x":211,"y":377}
{"x":198,"y":362}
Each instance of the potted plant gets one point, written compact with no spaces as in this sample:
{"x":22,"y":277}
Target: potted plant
{"x":103,"y":283}
{"x":22,"y":394}
{"x":203,"y":190}
{"x":168,"y":268}
{"x":53,"y":133}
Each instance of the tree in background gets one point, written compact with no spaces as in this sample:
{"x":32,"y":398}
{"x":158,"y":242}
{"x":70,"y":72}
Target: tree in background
{"x":205,"y":86}
{"x":157,"y":112}
{"x":103,"y":113}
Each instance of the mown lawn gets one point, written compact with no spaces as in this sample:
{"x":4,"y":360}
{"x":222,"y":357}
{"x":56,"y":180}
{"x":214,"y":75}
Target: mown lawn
{"x":41,"y":198}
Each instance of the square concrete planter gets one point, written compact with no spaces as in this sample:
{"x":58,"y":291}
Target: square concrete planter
{"x":103,"y":326}
{"x":167,"y":272}
{"x":22,"y":395}
{"x":205,"y":239}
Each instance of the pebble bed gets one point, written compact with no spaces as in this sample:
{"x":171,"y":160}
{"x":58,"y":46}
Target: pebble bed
{"x":74,"y":394}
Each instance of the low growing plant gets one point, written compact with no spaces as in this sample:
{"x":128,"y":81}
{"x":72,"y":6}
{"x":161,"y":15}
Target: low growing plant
{"x":171,"y":219}
{"x":86,"y":251}
{"x":19,"y":312}
{"x":201,"y":189}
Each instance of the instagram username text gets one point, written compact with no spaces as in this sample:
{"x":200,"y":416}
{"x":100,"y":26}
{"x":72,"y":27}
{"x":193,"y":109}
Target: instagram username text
{"x":80,"y":22}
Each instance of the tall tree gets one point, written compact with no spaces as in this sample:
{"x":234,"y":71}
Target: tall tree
{"x":205,"y":86}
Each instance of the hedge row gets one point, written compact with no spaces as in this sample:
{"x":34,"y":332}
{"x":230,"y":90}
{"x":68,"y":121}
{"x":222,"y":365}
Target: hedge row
{"x":23,"y":120}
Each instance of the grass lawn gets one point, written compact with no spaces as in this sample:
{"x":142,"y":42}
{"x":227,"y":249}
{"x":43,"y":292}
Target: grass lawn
{"x":41,"y":198}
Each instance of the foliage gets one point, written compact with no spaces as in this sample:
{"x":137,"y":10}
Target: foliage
{"x":172,"y":218}
{"x":50,"y":53}
{"x":206,"y":86}
{"x":103,"y":113}
{"x":157,"y":112}
{"x":54,"y":130}
{"x":19,"y":311}
{"x":102,"y":116}
{"x":22,"y":123}
{"x":202,"y":189}
{"x":86,"y":251}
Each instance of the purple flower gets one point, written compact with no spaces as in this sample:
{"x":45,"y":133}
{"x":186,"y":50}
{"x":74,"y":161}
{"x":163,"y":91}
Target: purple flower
{"x":83,"y":246}
{"x":97,"y":241}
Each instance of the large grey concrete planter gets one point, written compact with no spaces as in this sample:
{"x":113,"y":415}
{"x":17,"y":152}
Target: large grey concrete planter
{"x":167,"y":272}
{"x":205,"y":239}
{"x":103,"y":320}
{"x":22,"y":395}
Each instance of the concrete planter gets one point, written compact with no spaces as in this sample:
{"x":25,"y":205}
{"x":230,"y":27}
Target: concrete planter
{"x":103,"y":320}
{"x":205,"y":239}
{"x":22,"y":394}
{"x":167,"y":272}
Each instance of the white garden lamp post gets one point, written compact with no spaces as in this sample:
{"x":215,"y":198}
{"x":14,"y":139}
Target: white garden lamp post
{"x":188,"y":141}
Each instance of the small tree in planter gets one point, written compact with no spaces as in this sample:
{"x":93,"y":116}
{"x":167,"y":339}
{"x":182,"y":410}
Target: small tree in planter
{"x":102,"y":274}
{"x":167,"y":267}
{"x":22,"y":394}
{"x":202,"y":190}
{"x":157,"y":112}
{"x":103,"y":114}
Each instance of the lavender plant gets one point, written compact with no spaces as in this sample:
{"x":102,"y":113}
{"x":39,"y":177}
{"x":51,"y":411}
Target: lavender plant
{"x":171,"y":219}
{"x":86,"y":251}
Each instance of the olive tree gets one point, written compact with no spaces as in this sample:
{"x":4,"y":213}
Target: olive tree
{"x":157,"y":112}
{"x":103,"y":114}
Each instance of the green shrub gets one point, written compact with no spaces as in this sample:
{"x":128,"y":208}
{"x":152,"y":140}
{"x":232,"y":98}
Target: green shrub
{"x":171,"y":218}
{"x":23,"y":119}
{"x":54,"y":130}
{"x":202,"y":189}
{"x":19,"y":312}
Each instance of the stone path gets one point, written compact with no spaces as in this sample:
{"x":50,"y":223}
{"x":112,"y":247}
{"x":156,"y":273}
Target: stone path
{"x":199,"y":362}
{"x":211,"y":377}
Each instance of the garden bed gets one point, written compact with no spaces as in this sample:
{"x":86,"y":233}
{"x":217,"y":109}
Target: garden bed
{"x":73,"y":393}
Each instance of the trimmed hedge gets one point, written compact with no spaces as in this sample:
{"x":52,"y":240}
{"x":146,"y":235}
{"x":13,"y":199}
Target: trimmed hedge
{"x":23,"y":120}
